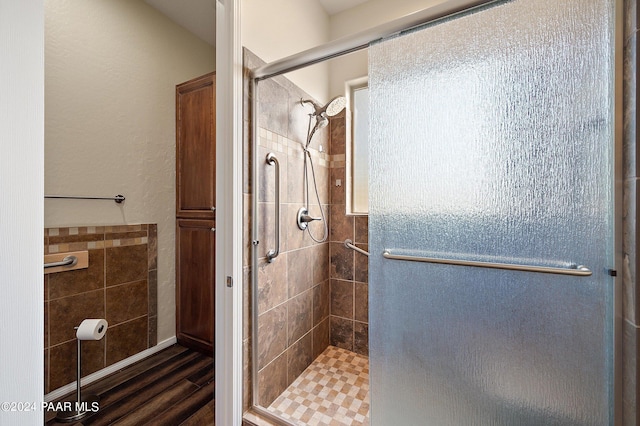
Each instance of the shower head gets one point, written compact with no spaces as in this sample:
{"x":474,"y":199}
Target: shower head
{"x":322,"y":114}
{"x":333,"y":107}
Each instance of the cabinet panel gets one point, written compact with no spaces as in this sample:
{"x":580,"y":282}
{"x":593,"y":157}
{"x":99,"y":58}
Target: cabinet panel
{"x":196,"y":148}
{"x":195,"y":278}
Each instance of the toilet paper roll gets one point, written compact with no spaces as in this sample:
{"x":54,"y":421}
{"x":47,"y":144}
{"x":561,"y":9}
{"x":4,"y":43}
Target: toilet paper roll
{"x":92,"y":329}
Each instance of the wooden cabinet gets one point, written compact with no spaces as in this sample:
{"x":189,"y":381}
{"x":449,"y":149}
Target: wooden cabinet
{"x":195,"y":213}
{"x":195,"y":296}
{"x":196,"y":148}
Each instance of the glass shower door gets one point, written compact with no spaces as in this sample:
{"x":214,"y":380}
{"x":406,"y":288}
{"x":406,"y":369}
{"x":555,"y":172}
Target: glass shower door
{"x":492,"y":145}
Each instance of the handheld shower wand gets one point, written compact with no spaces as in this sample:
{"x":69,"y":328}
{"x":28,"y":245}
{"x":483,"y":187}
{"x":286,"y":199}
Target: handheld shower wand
{"x":321,"y":114}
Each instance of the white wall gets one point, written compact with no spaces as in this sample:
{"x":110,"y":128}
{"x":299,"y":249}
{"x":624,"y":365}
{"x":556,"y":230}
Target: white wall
{"x":359,"y":18}
{"x":21,"y":174}
{"x":275,"y":29}
{"x":111,"y":71}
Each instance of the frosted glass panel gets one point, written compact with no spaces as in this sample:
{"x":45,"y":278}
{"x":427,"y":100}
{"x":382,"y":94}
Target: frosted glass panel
{"x":491,"y":140}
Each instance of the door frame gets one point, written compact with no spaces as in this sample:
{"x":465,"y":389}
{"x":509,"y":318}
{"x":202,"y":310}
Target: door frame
{"x":229,"y":215}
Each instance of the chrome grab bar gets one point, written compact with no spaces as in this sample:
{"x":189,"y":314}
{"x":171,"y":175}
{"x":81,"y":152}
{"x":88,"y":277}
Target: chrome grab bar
{"x":579,"y":270}
{"x":67,"y":261}
{"x":349,"y":244}
{"x":272,"y":160}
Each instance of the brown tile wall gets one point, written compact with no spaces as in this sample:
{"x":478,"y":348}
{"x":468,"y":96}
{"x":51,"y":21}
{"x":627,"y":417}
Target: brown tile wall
{"x":312,"y":294}
{"x":294,"y":289}
{"x":349,"y":270}
{"x":120,"y":285}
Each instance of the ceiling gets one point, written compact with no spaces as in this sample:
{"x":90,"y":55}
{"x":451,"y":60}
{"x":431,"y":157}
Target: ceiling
{"x":199,"y":16}
{"x":336,"y":6}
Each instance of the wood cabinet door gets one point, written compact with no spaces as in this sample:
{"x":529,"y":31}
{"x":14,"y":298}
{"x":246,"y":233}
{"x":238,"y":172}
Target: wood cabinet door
{"x":195,"y":279}
{"x":196,"y":148}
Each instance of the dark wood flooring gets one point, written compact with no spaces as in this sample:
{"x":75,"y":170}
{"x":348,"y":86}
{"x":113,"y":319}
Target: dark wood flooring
{"x":173,"y":387}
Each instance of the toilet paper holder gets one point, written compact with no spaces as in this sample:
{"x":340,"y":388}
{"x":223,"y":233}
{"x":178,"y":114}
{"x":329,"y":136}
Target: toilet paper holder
{"x":89,"y":329}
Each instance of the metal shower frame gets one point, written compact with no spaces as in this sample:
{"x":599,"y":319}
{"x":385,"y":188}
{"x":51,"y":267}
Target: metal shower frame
{"x":360,"y":41}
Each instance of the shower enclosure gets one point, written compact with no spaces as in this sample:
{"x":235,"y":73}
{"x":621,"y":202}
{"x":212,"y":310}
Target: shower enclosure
{"x":491,"y":218}
{"x":493,"y":292}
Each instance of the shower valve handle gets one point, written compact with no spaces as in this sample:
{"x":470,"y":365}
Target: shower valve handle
{"x":307,"y":218}
{"x":304,"y":218}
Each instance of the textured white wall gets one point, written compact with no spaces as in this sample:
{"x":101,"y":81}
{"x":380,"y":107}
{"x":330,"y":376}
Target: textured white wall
{"x":111,"y":71}
{"x":359,"y":18}
{"x":275,"y":29}
{"x":21,"y":174}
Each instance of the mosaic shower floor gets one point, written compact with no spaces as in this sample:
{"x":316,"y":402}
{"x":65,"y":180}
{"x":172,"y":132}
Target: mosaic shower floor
{"x":332,"y":391}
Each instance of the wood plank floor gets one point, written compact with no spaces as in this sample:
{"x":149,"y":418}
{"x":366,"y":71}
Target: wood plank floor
{"x":173,"y":387}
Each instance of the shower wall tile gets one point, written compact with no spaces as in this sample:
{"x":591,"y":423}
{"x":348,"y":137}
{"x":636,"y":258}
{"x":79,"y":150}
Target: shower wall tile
{"x":73,"y":296}
{"x":341,"y":261}
{"x":320,"y":264}
{"x":300,"y":316}
{"x":321,"y":337}
{"x":273,"y":107}
{"x":294,"y":298}
{"x":361,"y":338}
{"x":361,"y":268}
{"x":299,"y":357}
{"x":362,"y":230}
{"x":300,"y":270}
{"x":337,"y":189}
{"x":246,"y":375}
{"x":247,"y":157}
{"x":630,"y":394}
{"x":246,"y":230}
{"x":272,"y":380}
{"x":342,"y":298}
{"x":299,"y":116}
{"x":272,"y":335}
{"x":321,"y":302}
{"x":295,"y":178}
{"x":361,"y":302}
{"x":342,"y":226}
{"x":272,"y":282}
{"x":266,"y":229}
{"x":126,"y":264}
{"x":349,"y":270}
{"x":630,"y":119}
{"x":322,"y":177}
{"x":294,"y":238}
{"x":630,"y":260}
{"x":267,"y":173}
{"x":126,"y":339}
{"x":126,"y":301}
{"x":342,"y":333}
{"x":246,"y":302}
{"x":338,"y":134}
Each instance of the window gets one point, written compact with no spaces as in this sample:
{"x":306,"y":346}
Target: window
{"x":357,"y":149}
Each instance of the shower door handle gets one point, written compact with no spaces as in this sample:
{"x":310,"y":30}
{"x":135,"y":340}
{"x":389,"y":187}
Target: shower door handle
{"x":272,"y":160}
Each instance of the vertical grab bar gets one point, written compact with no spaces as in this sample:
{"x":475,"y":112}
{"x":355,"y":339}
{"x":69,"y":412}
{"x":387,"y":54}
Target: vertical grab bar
{"x":272,"y":160}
